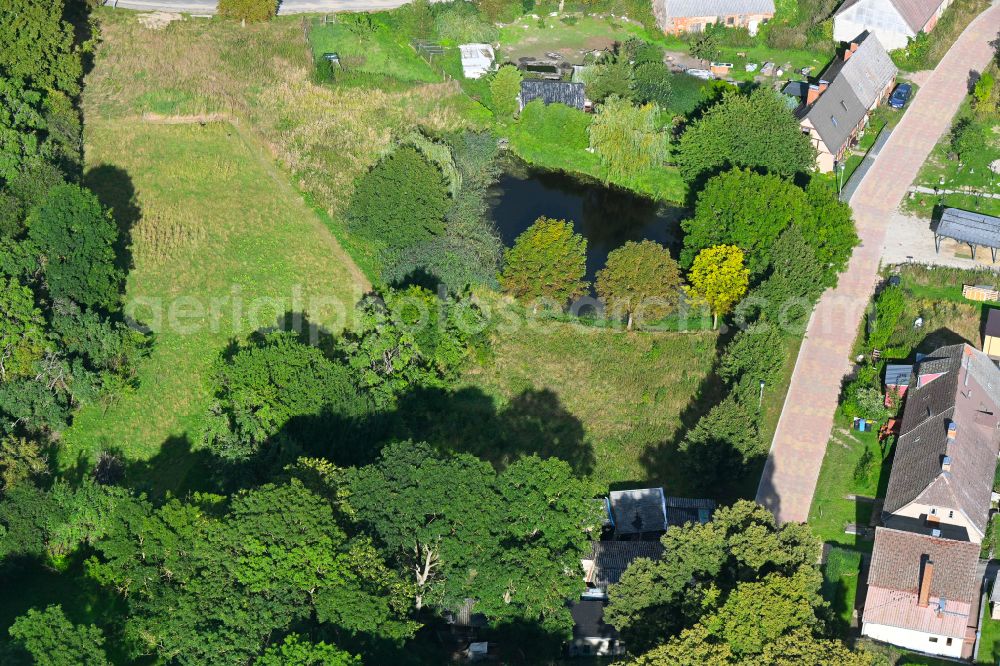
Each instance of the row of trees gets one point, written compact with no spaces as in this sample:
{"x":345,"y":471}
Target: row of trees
{"x":641,"y":281}
{"x":63,"y":340}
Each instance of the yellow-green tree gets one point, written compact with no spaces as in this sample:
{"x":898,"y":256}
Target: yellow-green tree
{"x":719,"y":279}
{"x":626,"y":138}
{"x":548,"y":262}
{"x":640,"y":278}
{"x":504,"y":89}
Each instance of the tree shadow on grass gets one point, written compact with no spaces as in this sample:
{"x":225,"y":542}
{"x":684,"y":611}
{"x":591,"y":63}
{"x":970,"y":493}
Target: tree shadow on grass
{"x":114,"y":189}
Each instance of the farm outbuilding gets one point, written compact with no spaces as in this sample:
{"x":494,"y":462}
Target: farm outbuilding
{"x":972,"y":229}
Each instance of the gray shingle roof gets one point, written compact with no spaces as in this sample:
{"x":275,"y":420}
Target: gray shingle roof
{"x":611,"y":558}
{"x":682,"y":510}
{"x":968,"y":227}
{"x":638,"y":511}
{"x":869,"y":70}
{"x":684,"y":8}
{"x":897,"y":559}
{"x":551,"y":92}
{"x":836,"y":113}
{"x":853,"y":88}
{"x":966,"y":392}
{"x":588,"y":620}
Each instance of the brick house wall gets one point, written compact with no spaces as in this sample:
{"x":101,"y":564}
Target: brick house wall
{"x":681,"y":24}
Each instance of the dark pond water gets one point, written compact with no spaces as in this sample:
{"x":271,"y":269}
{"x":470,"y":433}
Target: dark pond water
{"x":607,"y":217}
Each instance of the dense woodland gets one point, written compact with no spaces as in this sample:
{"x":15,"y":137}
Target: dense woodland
{"x":347,"y":506}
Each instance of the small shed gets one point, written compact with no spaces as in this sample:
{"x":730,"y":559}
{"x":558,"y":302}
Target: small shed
{"x":991,"y":334}
{"x":973,"y":229}
{"x":477,"y":59}
{"x":551,"y":92}
{"x":897,"y":380}
{"x":639,"y":511}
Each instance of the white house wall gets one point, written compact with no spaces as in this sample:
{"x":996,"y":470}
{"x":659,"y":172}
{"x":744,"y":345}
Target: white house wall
{"x":876,"y":16}
{"x":913,"y":640}
{"x":918,"y":510}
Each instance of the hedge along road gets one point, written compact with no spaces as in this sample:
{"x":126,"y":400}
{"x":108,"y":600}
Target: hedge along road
{"x":793,"y":464}
{"x":286,"y":6}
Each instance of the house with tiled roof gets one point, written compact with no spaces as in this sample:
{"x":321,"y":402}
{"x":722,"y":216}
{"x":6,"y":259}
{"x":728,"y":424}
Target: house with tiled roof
{"x":923,"y":592}
{"x":894,"y":22}
{"x":679,"y":16}
{"x":836,"y":108}
{"x":924,"y":581}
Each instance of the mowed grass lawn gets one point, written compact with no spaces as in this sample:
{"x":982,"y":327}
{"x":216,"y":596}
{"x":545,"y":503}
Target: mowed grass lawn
{"x":214,"y":220}
{"x":626,"y":389}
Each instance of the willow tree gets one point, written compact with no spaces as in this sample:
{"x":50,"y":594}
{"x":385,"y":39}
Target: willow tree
{"x":627,"y":139}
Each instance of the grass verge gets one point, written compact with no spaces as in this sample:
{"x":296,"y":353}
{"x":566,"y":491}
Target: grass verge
{"x":221,"y":246}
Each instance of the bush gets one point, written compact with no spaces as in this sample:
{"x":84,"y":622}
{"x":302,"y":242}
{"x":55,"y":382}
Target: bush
{"x":248,"y":10}
{"x":401,"y":202}
{"x":460,"y":22}
{"x":556,"y":124}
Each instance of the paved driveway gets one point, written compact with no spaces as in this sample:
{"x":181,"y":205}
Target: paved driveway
{"x":793,"y":464}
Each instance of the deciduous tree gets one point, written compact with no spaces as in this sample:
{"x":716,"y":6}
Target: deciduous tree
{"x":22,"y":331}
{"x":76,"y":237}
{"x":652,"y":84}
{"x":505,"y":86}
{"x":47,"y":637}
{"x":548,"y":262}
{"x":755,"y":131}
{"x":38,"y":46}
{"x":627,"y":138}
{"x":400,"y":203}
{"x":640,"y":277}
{"x":745,"y":209}
{"x":719,"y":279}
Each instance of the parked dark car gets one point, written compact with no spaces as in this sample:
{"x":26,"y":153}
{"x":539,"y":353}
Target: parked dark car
{"x":900,"y":95}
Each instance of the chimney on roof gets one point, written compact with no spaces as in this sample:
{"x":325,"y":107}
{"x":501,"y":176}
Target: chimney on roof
{"x":849,"y":51}
{"x":823,"y":85}
{"x":952,"y":431}
{"x":812,"y":94}
{"x":925,"y":583}
{"x":946,"y":464}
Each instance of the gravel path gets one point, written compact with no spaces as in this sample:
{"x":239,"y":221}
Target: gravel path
{"x":793,"y":464}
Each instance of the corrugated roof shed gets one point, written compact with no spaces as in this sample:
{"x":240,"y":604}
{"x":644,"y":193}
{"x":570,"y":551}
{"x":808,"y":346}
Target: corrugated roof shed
{"x":968,"y":227}
{"x":588,"y":620}
{"x":898,"y":375}
{"x":683,"y":510}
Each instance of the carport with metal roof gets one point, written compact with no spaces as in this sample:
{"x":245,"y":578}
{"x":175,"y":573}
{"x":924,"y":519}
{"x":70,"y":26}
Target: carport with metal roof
{"x":973,"y":229}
